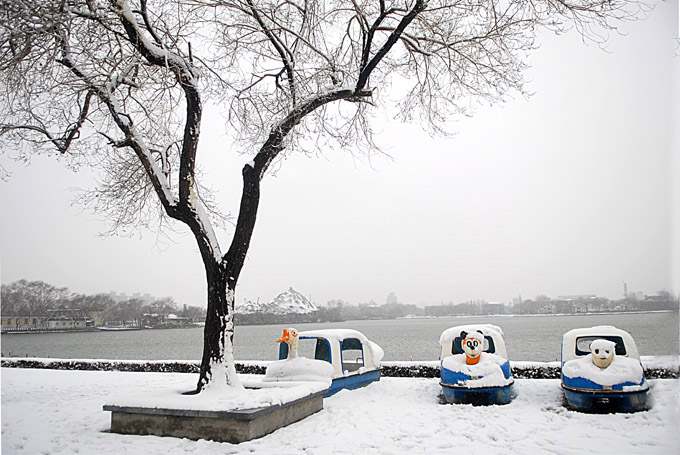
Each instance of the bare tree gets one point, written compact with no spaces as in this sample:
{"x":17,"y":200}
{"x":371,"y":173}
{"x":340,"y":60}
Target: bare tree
{"x":31,"y":298}
{"x":120,"y":84}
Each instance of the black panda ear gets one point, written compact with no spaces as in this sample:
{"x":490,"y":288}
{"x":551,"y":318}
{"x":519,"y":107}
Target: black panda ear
{"x":480,"y":332}
{"x":463,"y":334}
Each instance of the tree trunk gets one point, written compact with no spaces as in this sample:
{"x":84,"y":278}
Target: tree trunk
{"x":217,"y":364}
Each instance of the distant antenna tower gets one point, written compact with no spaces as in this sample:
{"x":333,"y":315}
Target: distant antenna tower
{"x":625,"y":290}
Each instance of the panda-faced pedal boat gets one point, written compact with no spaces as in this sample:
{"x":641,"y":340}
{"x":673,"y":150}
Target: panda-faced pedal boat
{"x":474,"y":366}
{"x":601,"y":371}
{"x":343,"y":357}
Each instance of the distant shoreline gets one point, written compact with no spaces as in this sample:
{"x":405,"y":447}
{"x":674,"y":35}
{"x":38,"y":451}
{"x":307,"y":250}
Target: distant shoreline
{"x":197,"y":325}
{"x":594,"y":313}
{"x":506,"y":315}
{"x":97,"y":329}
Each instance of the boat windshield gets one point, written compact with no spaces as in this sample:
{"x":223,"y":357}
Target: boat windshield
{"x":352,"y":354}
{"x":323,"y":350}
{"x":583,"y":344}
{"x":312,"y":348}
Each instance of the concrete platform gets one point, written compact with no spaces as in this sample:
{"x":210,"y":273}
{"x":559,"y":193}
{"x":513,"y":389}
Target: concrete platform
{"x":224,"y":426}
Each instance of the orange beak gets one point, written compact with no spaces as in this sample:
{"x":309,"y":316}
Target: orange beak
{"x":285,"y":336}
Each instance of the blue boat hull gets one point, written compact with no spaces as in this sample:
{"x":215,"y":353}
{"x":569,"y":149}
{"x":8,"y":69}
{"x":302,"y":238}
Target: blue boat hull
{"x":353,"y":381}
{"x":598,"y":401}
{"x":478,"y":396}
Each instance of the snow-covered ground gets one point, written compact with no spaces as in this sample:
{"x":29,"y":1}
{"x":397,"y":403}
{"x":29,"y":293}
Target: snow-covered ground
{"x":60,"y":412}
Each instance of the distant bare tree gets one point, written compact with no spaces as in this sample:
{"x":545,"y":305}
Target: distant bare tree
{"x":96,"y":302}
{"x":31,"y":298}
{"x":128,"y":312}
{"x":120,"y":84}
{"x":163,"y":306}
{"x":195,"y":313}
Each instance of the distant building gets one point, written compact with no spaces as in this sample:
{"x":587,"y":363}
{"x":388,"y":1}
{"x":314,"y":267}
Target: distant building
{"x":392,"y":299}
{"x":57,"y":319}
{"x":10,"y":323}
{"x":174,"y":320}
{"x":146,"y":298}
{"x":97,"y":317}
{"x":60,"y":322}
{"x":122,"y":297}
{"x":118,"y":296}
{"x":548,"y":309}
{"x":68,"y":323}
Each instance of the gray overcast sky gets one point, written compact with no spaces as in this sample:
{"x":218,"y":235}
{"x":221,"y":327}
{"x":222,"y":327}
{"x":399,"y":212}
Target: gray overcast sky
{"x":568,"y":192}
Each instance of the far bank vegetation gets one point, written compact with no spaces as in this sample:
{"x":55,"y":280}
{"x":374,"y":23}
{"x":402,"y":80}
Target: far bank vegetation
{"x":36,"y":305}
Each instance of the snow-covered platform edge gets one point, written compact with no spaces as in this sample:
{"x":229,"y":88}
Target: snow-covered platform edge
{"x":233,"y":417}
{"x":655,"y":367}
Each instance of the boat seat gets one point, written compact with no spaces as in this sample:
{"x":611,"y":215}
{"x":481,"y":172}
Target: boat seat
{"x":352,"y":365}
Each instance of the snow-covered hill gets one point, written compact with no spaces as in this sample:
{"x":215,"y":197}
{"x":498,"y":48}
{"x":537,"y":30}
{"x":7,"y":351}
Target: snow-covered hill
{"x":287,"y":302}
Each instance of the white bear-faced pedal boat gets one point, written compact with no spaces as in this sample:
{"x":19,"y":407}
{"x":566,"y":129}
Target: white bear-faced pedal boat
{"x":354,"y":358}
{"x":601,"y":371}
{"x":474,"y":366}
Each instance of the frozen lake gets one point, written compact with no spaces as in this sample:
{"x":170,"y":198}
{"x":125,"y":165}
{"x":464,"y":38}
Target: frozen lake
{"x":534,"y":338}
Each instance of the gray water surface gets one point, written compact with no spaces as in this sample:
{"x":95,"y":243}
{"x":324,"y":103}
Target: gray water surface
{"x":534,"y":338}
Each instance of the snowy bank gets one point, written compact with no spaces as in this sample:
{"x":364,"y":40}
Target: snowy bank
{"x":51,"y":411}
{"x":655,"y":367}
{"x":220,"y":400}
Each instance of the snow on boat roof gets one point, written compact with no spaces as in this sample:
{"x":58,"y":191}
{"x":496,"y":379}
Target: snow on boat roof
{"x":569,"y":339}
{"x":454,"y":332}
{"x":596,"y":330}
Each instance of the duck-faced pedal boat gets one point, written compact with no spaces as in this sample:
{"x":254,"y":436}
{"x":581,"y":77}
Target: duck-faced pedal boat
{"x":474,"y":366}
{"x":353,"y":360}
{"x":601,"y":371}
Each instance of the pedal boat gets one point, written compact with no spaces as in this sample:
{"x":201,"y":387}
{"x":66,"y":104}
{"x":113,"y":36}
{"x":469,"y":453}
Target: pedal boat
{"x":354,"y":358}
{"x":619,"y":386}
{"x":489,"y":382}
